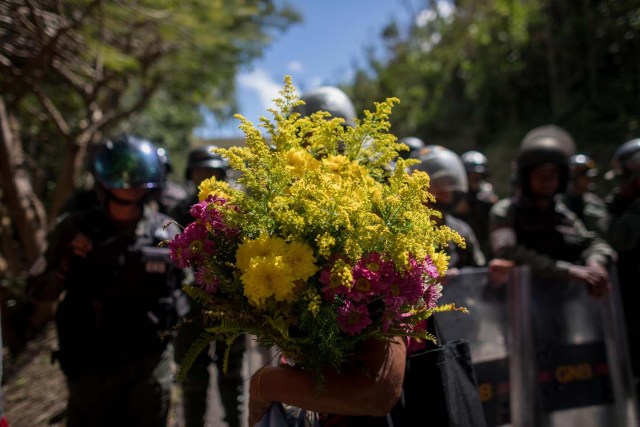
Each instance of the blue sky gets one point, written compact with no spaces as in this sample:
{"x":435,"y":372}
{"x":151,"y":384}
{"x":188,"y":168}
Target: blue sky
{"x":320,"y":50}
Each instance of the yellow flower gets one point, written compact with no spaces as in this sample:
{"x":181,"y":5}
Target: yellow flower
{"x":268,"y":277}
{"x":314,"y":301}
{"x":341,"y":275}
{"x":335,"y":164}
{"x":299,"y":257}
{"x":441,"y":261}
{"x":213,"y":187}
{"x":262,"y":247}
{"x":299,"y":161}
{"x":325,"y":244}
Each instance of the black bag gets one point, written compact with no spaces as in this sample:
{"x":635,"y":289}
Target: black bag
{"x":440,"y":389}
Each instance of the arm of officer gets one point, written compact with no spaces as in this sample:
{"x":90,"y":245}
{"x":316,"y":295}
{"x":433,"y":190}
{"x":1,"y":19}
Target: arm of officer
{"x":46,"y":277}
{"x":504,"y":245}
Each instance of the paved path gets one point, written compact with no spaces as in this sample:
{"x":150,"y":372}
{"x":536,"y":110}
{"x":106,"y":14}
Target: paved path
{"x":254,"y":358}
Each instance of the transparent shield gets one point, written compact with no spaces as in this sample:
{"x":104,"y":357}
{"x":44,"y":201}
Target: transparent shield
{"x":545,"y":353}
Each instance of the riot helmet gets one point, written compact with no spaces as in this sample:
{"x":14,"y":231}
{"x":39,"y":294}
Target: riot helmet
{"x":414,"y":144}
{"x":329,"y":99}
{"x":544,"y":145}
{"x":626,"y":160}
{"x":581,"y":164}
{"x":551,"y":131}
{"x":443,"y":165}
{"x":204,"y":157}
{"x":475,"y":162}
{"x":128,"y":162}
{"x":165,"y":159}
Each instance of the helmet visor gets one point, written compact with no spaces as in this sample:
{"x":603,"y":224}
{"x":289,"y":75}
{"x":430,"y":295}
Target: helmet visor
{"x":128,"y":166}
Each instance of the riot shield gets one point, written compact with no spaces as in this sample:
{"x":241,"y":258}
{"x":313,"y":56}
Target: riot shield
{"x":545,"y":354}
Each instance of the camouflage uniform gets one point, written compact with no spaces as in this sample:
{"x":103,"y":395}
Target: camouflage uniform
{"x":473,"y":208}
{"x":120,"y":303}
{"x":469,"y":256}
{"x":548,"y":241}
{"x":590,"y":209}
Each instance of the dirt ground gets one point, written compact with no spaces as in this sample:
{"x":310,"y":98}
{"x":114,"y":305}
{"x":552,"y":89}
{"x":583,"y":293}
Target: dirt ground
{"x":34,"y":389}
{"x":35,"y":393}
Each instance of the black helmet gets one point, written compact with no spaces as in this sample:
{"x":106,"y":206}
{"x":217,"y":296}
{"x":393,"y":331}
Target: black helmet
{"x":128,"y":162}
{"x":626,"y":160}
{"x":165,"y":159}
{"x":545,"y":144}
{"x":581,"y":164}
{"x":204,"y":157}
{"x":329,"y":99}
{"x":414,"y":145}
{"x":440,"y":162}
{"x":551,"y":131}
{"x":475,"y":162}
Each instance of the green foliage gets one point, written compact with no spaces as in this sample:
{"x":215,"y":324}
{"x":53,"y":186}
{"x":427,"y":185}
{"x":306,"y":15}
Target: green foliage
{"x":483,"y":76}
{"x":197,"y":347}
{"x":94,"y":68}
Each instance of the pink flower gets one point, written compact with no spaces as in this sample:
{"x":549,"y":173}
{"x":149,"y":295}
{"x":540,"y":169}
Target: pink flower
{"x":353,"y":318}
{"x":432,"y":295}
{"x":206,"y":209}
{"x":180,"y":251}
{"x":198,"y":240}
{"x":365,"y":284}
{"x":430,"y":269}
{"x":206,"y":279}
{"x":332,"y":286}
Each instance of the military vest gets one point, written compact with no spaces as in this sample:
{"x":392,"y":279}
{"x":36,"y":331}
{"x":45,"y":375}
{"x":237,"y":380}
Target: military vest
{"x":122,"y":298}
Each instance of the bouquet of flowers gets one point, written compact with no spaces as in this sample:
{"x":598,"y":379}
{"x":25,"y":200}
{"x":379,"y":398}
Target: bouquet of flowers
{"x":322,"y":245}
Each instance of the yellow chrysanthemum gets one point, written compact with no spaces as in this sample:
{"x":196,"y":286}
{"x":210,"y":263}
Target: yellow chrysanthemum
{"x":335,"y":164}
{"x":299,"y":161}
{"x":441,"y":261}
{"x":299,"y":257}
{"x":213,"y":187}
{"x":262,"y":247}
{"x":268,"y":277}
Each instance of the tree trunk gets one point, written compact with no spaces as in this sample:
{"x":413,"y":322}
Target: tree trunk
{"x":27,"y":212}
{"x":73,"y":161}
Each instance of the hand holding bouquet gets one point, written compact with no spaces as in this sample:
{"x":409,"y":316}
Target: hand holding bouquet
{"x":323,"y":247}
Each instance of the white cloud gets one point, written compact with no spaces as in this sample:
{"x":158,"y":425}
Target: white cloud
{"x":294,"y":66}
{"x":444,"y":9}
{"x":260,"y":81}
{"x":315,"y":82}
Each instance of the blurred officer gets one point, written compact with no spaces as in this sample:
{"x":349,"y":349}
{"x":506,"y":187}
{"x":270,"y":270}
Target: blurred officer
{"x":415,"y":145}
{"x":474,"y":206}
{"x":624,"y":235}
{"x":533,"y":228}
{"x":580,"y":198}
{"x":171,"y":193}
{"x":330,"y":99}
{"x":121,"y":294}
{"x":448,"y":183}
{"x":202,"y":164}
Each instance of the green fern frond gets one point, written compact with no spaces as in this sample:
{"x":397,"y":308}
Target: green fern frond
{"x":196,"y":294}
{"x":194,"y":351}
